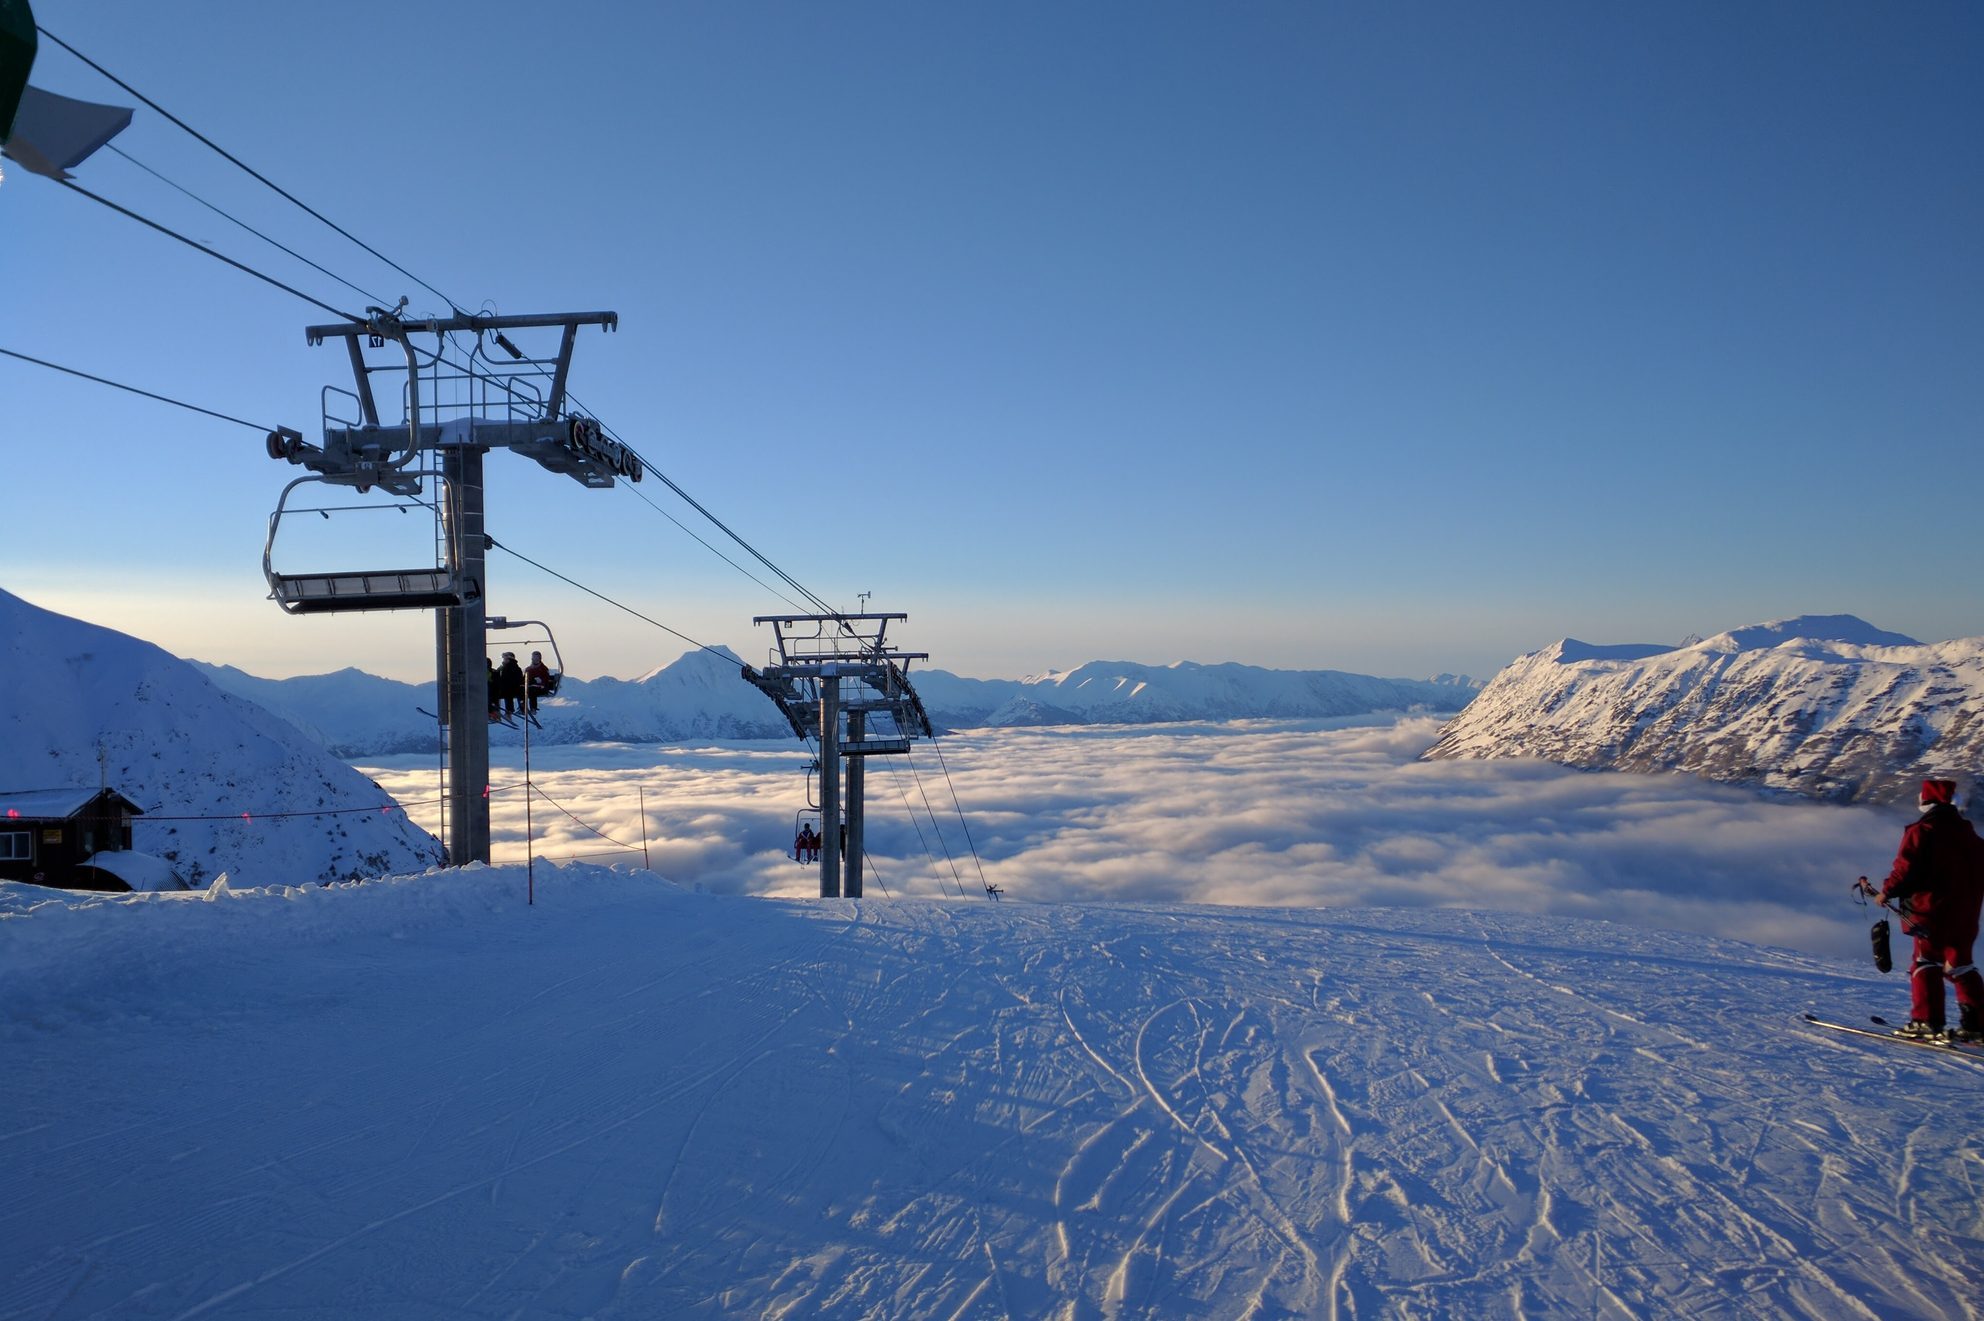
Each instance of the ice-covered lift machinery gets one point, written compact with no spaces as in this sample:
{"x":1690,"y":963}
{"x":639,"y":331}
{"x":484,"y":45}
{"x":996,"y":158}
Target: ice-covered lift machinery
{"x":835,"y":678}
{"x":454,"y":410}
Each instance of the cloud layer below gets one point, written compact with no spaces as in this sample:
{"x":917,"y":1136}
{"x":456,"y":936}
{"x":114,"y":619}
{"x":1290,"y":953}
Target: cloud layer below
{"x":1299,"y":814}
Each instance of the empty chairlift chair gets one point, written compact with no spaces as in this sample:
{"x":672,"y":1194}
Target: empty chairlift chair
{"x":426,"y":587}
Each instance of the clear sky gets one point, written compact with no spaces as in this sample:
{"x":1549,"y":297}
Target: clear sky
{"x":1393,"y":338}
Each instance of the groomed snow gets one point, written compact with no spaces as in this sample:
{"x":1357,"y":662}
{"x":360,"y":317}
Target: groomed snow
{"x":420,"y":1097}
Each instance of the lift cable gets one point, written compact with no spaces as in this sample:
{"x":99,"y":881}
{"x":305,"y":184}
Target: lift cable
{"x":876,"y":875}
{"x":937,"y":826}
{"x":203,"y":248}
{"x":468,"y":369}
{"x":253,"y":816}
{"x":959,"y":805}
{"x":725,"y":528}
{"x":253,"y":173}
{"x":812,"y":598}
{"x":119,"y":385}
{"x":581,"y":857}
{"x":818,"y":602}
{"x":910,"y":808}
{"x":234,"y":219}
{"x":690,"y":532}
{"x":631,"y":848}
{"x":618,"y":605}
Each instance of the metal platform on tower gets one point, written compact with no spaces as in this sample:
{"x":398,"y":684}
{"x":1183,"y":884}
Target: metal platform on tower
{"x":837,"y":679}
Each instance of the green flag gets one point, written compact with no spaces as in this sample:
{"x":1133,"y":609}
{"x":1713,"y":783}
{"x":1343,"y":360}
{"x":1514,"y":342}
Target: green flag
{"x":17,"y":46}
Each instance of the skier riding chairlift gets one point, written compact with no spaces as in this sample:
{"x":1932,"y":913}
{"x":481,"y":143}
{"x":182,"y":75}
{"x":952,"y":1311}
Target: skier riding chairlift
{"x":806,"y":839}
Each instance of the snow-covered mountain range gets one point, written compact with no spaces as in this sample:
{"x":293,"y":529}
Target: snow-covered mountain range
{"x":1125,"y":693}
{"x":226,"y":785}
{"x":1825,"y":706}
{"x":703,"y":696}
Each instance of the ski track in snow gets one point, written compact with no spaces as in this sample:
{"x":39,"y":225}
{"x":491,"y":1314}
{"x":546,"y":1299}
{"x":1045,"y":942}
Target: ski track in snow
{"x":629,"y":1101}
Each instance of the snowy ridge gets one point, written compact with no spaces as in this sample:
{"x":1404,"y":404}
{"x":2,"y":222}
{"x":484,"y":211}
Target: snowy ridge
{"x":1825,"y":706}
{"x":179,"y":747}
{"x":634,"y":1101}
{"x":702,"y":696}
{"x":1125,"y":693}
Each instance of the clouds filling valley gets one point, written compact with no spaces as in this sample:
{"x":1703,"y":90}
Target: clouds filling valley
{"x":1273,"y":813}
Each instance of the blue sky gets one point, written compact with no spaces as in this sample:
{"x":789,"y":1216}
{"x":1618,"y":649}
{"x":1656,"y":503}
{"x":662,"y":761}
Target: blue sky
{"x":1397,"y":339}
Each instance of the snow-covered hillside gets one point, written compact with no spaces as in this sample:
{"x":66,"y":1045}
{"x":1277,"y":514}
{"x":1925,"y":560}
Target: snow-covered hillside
{"x":423,"y":1098}
{"x":226,"y":786}
{"x":1827,"y":706}
{"x":702,"y":696}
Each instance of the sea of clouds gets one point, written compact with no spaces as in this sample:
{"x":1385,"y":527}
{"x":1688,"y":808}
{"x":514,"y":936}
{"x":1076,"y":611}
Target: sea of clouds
{"x":1258,"y":813}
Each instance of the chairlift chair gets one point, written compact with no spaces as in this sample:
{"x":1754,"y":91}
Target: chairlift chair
{"x":804,"y":817}
{"x":427,"y":588}
{"x":549,"y":687}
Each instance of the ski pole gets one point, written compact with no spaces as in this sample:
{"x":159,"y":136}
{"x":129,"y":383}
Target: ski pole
{"x":1878,"y":935}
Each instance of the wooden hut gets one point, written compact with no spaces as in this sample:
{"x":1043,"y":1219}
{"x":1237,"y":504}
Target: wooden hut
{"x":48,"y":835}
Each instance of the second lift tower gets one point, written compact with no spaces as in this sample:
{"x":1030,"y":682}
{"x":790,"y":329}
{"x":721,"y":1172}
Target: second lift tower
{"x":836,"y":679}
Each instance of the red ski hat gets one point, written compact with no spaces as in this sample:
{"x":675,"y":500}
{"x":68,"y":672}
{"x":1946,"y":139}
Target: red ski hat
{"x":1939,"y":791}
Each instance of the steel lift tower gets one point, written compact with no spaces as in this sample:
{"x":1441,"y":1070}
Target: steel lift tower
{"x":835,"y":678}
{"x":454,"y":410}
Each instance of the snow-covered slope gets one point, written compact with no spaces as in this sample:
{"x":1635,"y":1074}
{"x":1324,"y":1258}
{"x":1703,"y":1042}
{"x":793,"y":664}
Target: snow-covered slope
{"x":1826,"y":706}
{"x":702,"y":696}
{"x":422,"y":1098}
{"x":226,"y":786}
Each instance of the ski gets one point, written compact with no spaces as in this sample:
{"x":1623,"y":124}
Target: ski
{"x":497,"y":720}
{"x":1886,"y":1032}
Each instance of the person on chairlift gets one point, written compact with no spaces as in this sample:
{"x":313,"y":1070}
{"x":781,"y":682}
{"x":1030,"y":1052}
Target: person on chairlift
{"x":510,"y":683}
{"x":537,"y":680}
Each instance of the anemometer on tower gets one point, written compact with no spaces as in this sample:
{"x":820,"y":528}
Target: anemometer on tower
{"x":454,"y":410}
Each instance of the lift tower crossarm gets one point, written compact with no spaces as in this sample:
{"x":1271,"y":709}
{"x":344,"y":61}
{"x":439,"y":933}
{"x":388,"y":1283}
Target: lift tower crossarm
{"x":388,"y":325}
{"x":444,"y":325}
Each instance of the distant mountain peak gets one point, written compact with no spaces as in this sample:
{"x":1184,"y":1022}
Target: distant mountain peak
{"x":1824,"y":706}
{"x":1850,"y":629}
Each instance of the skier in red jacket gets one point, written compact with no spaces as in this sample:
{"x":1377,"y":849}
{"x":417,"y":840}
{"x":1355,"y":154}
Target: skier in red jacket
{"x":1937,"y":886}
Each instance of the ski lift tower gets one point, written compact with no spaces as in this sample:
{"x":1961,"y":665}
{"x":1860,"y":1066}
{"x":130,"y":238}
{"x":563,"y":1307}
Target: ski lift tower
{"x":835,"y":678}
{"x":458,"y":402}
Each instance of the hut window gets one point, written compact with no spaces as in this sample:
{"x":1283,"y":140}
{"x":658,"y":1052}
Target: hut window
{"x":16,"y":846}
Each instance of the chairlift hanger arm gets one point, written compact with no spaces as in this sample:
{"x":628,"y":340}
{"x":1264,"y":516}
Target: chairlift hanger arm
{"x":504,"y":621}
